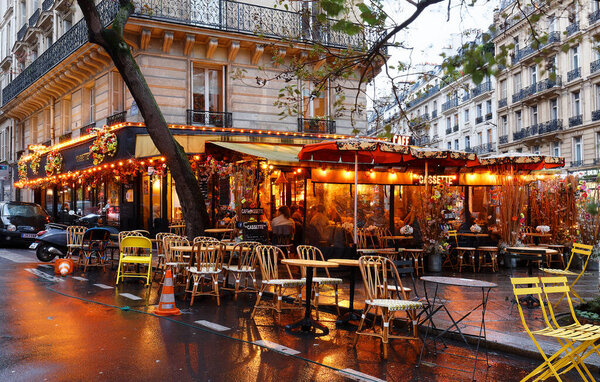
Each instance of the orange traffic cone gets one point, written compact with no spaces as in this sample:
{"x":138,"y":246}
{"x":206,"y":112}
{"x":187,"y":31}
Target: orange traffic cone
{"x":166,"y":306}
{"x":63,"y":267}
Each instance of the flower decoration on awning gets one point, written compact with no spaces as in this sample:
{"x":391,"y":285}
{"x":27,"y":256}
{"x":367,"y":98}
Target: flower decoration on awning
{"x":54,"y":163}
{"x":34,"y":163}
{"x":105,"y":145}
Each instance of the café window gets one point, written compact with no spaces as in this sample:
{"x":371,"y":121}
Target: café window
{"x":207,"y":95}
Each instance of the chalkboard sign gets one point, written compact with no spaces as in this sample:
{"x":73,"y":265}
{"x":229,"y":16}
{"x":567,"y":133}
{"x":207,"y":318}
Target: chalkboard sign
{"x":253,"y":211}
{"x":255,"y":231}
{"x":224,"y":194}
{"x":203,"y":182}
{"x":449,"y":215}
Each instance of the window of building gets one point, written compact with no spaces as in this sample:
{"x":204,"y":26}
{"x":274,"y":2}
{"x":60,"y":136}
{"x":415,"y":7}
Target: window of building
{"x":576,"y":101}
{"x":520,"y":150}
{"x":448,"y":123}
{"x":23,"y":12}
{"x":556,"y":149}
{"x":518,"y":120}
{"x":552,"y":67}
{"x":449,"y":145}
{"x":466,"y":115}
{"x":480,"y":138}
{"x":534,"y":115}
{"x":456,"y":144}
{"x":575,"y":57}
{"x":92,"y":105}
{"x":48,"y":40}
{"x":435,"y":129}
{"x":479,"y":110}
{"x":434,"y":106}
{"x":595,"y":5}
{"x":67,"y":24}
{"x":489,"y":136}
{"x":597,"y":145}
{"x":504,"y":125}
{"x":314,"y":102}
{"x":533,"y":74}
{"x":117,"y":92}
{"x":578,"y":149}
{"x":426,"y":110}
{"x":517,"y":82}
{"x":535,"y":150}
{"x":207,"y":95}
{"x":516,"y":44}
{"x":488,"y":107}
{"x":551,"y":24}
{"x":597,"y":89}
{"x":503,"y":90}
{"x":554,"y":109}
{"x":456,"y":119}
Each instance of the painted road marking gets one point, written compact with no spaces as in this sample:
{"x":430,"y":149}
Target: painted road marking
{"x":103,"y":286}
{"x":212,"y":325}
{"x":276,"y":347}
{"x":17,"y":258}
{"x":79,"y":278}
{"x":45,"y":266}
{"x":43,"y":275}
{"x":358,"y":376}
{"x":130,"y":296}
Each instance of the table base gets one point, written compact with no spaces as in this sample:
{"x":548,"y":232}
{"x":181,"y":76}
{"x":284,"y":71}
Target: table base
{"x":346,"y":320}
{"x":308,"y":324}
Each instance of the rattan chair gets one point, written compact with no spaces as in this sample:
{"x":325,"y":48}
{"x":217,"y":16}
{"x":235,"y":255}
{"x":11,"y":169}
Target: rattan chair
{"x":160,"y":252}
{"x":242,"y":265}
{"x":464,"y":255}
{"x":93,"y":247}
{"x":74,"y":240}
{"x":175,"y":260}
{"x":205,"y":239}
{"x":205,"y":265}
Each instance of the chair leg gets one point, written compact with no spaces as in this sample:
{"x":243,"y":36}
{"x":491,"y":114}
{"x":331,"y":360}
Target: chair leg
{"x":386,"y":331}
{"x":360,"y":325}
{"x":258,"y":297}
{"x":195,"y":280}
{"x":118,"y":271}
{"x":337,"y":305}
{"x":316,"y":299}
{"x":216,"y":288}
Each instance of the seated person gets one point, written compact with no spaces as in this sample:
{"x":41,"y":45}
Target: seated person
{"x":320,"y":221}
{"x":283,"y":219}
{"x":334,"y":215}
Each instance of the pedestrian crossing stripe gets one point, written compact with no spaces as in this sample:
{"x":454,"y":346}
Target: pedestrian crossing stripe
{"x":212,"y":325}
{"x":43,"y":275}
{"x":17,"y":258}
{"x":273,"y":346}
{"x":79,"y":278}
{"x":130,"y":296}
{"x":358,"y":376}
{"x":103,"y":286}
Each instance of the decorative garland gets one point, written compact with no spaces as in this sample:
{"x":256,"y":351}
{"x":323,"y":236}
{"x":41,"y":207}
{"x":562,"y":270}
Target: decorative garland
{"x":34,"y":164}
{"x":54,"y":163}
{"x":22,"y":167}
{"x":105,"y":145}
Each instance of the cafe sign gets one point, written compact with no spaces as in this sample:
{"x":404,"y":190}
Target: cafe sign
{"x":434,"y":179}
{"x":401,"y":139}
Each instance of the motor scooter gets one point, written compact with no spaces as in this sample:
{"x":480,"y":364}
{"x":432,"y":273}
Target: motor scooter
{"x":52,"y":241}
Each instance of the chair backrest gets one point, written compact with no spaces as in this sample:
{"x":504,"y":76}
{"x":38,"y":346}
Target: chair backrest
{"x":160,"y":248}
{"x":124,"y":234}
{"x":268,"y":256}
{"x":246,"y":254}
{"x":555,"y":285}
{"x":177,"y":227}
{"x":452,"y":234}
{"x":283,"y":234}
{"x":381,"y":232}
{"x":361,"y":240}
{"x":206,"y":239}
{"x":96,"y":239}
{"x":308,"y":252}
{"x":75,"y":234}
{"x":583,"y":250}
{"x":143,"y":232}
{"x":525,"y":286}
{"x":375,"y":271}
{"x":208,"y":255}
{"x":174,"y":241}
{"x":136,"y":246}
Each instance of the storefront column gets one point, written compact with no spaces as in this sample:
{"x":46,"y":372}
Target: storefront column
{"x":392,"y":222}
{"x":467,"y":207}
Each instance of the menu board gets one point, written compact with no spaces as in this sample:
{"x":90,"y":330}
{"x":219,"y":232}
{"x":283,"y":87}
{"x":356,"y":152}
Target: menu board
{"x":253,"y":211}
{"x":255,"y":231}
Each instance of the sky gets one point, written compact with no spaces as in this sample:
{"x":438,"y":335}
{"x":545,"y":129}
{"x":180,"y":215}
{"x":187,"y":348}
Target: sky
{"x":432,"y":33}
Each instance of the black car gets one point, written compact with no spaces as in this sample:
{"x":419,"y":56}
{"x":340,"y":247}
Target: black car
{"x":20,"y":222}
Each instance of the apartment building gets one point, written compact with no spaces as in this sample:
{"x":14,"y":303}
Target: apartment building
{"x":549,"y":94}
{"x":201,"y":59}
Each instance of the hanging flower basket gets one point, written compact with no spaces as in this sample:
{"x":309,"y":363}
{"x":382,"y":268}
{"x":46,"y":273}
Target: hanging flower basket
{"x":105,"y":145}
{"x":22,"y":167}
{"x":34,"y":164}
{"x":54,"y":163}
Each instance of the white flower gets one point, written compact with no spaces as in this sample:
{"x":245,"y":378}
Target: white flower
{"x":475,"y":228}
{"x":542,"y":228}
{"x":406,"y":230}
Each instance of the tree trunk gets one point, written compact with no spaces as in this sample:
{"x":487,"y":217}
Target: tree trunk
{"x":186,"y":184}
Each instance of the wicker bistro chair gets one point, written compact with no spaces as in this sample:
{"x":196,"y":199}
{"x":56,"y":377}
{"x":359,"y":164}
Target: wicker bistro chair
{"x":375,"y":271}
{"x":93,"y":247}
{"x":205,"y":239}
{"x":485,"y":252}
{"x":205,"y":265}
{"x":135,"y":250}
{"x":160,"y":252}
{"x":308,"y":252}
{"x":268,"y":258}
{"x":242,"y":265}
{"x":570,"y":355}
{"x":583,"y":250}
{"x":74,"y":240}
{"x":175,"y":260}
{"x":464,"y":255}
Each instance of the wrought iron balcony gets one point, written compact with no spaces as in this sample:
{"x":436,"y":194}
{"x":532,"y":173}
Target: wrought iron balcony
{"x":479,"y":119}
{"x":465,"y":97}
{"x":209,"y":118}
{"x":431,"y":91}
{"x":434,"y":114}
{"x":448,"y":130}
{"x":572,"y":28}
{"x":483,"y":148}
{"x":576,"y":120}
{"x":573,"y":74}
{"x":481,"y":88}
{"x":21,"y":32}
{"x":550,"y":126}
{"x":87,"y":129}
{"x":224,"y":15}
{"x":518,"y":135}
{"x":47,"y":4}
{"x":503,"y":139}
{"x":518,"y":96}
{"x":596,"y":161}
{"x":422,"y":141}
{"x":593,"y":17}
{"x":502,"y":103}
{"x":450,"y":104}
{"x":594,"y":66}
{"x":595,"y":115}
{"x":488,"y":116}
{"x":326,"y":126}
{"x":534,"y":47}
{"x":455,"y":128}
{"x":116,"y":118}
{"x":549,"y":83}
{"x":577,"y":163}
{"x":34,"y":18}
{"x":64,"y":138}
{"x":419,"y":120}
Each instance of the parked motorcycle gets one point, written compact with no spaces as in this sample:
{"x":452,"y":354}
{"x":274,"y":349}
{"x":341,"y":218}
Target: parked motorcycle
{"x":52,"y":241}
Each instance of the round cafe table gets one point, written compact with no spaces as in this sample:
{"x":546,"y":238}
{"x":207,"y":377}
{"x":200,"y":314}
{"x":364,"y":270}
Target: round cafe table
{"x":308,"y":324}
{"x":351,"y":315}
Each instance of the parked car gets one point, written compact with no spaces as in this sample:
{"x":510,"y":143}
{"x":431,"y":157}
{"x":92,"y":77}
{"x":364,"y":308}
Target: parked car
{"x":20,"y":222}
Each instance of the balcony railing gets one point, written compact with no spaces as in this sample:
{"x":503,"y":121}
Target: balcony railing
{"x":422,"y":141}
{"x":21,"y":32}
{"x":594,"y":16}
{"x":455,"y":128}
{"x":479,"y":119}
{"x":209,"y":118}
{"x":434,"y":114}
{"x":224,"y":15}
{"x":518,"y":96}
{"x":483,"y":148}
{"x":594,"y":66}
{"x":326,"y":126}
{"x":572,"y":28}
{"x":596,"y":161}
{"x":502,"y":103}
{"x":573,"y":74}
{"x":450,"y":104}
{"x":595,"y":115}
{"x":535,"y":88}
{"x":550,"y":126}
{"x":576,"y":120}
{"x":534,"y":47}
{"x":465,"y":97}
{"x":419,"y":120}
{"x":64,"y":138}
{"x":116,"y":118}
{"x":577,"y":163}
{"x":87,"y":129}
{"x":488,"y":116}
{"x":431,"y":91}
{"x":503,"y":139}
{"x":481,"y":88}
{"x":34,"y":18}
{"x":448,"y":130}
{"x":47,"y":4}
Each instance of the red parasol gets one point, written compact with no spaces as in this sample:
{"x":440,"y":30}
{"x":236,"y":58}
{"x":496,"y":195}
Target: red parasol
{"x":364,"y":151}
{"x":519,"y":161}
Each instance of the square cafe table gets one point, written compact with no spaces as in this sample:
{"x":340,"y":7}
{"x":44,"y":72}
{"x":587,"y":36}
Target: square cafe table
{"x":435,"y":305}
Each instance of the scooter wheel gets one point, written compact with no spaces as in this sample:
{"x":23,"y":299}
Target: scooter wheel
{"x":43,"y":254}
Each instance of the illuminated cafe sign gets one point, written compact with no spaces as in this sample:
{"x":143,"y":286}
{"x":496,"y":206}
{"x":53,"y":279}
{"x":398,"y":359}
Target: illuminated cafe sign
{"x":434,"y":179}
{"x":401,"y":139}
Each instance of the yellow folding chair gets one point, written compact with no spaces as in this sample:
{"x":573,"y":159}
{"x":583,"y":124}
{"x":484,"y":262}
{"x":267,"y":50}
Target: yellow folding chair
{"x":581,"y":249}
{"x":569,"y":355}
{"x":135,"y":250}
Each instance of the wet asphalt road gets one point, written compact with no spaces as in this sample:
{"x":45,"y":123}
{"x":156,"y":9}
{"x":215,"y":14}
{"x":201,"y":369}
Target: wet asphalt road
{"x":67,"y":329}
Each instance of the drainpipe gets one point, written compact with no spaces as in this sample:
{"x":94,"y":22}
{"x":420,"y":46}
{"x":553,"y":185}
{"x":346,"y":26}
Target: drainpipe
{"x":52,"y":126}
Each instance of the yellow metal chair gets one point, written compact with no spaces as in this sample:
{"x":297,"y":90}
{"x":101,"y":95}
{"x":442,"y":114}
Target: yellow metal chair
{"x":569,"y":355}
{"x":581,"y":249}
{"x":308,"y":252}
{"x":375,"y":271}
{"x":135,"y":250}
